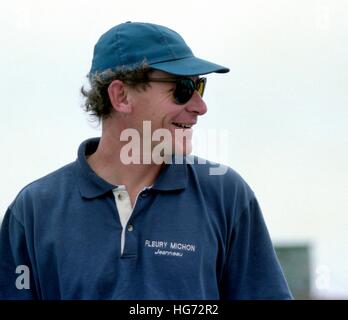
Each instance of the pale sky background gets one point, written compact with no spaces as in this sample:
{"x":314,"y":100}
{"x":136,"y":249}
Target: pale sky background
{"x":284,"y":103}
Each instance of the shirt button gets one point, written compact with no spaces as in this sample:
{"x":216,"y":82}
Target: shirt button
{"x":130,"y":228}
{"x":120,"y":196}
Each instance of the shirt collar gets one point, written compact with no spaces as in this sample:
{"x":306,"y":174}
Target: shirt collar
{"x":172,"y":176}
{"x":90,"y":184}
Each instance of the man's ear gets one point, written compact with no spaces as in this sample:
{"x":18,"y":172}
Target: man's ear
{"x":118,"y":96}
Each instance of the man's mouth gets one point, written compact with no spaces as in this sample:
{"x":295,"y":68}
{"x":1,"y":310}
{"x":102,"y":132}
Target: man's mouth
{"x":183,"y":125}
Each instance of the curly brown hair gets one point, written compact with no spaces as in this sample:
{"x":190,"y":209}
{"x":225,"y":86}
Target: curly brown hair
{"x":97,"y":101}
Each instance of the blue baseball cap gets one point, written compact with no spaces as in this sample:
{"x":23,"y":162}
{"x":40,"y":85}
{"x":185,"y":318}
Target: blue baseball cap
{"x":128,"y":44}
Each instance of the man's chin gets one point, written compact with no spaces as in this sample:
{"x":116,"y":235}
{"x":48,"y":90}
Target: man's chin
{"x":166,"y":152}
{"x":183,"y":150}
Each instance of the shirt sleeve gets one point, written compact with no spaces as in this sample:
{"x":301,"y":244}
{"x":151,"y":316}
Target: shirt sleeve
{"x":16,"y":282}
{"x":252,"y":270}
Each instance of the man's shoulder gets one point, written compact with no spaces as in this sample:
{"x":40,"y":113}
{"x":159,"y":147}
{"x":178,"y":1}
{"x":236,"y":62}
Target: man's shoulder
{"x":223,"y":189}
{"x":215,"y":173}
{"x":219,"y":181}
{"x":44,"y":187}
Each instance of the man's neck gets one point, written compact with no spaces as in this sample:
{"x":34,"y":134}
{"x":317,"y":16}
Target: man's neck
{"x":107,"y":164}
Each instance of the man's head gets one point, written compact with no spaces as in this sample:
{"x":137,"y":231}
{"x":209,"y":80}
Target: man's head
{"x":146,"y":72}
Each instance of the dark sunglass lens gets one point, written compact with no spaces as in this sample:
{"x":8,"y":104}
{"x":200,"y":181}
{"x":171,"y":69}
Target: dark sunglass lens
{"x":201,"y":86}
{"x":184,"y":90}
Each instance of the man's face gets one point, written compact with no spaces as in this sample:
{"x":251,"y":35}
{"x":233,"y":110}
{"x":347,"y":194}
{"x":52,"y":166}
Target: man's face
{"x":157,"y":105}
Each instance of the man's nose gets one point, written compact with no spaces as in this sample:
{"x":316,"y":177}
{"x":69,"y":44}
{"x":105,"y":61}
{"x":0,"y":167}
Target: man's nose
{"x":196,"y":104}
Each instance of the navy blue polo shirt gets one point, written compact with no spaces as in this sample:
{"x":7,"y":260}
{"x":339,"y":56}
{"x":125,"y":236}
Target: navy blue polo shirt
{"x":191,"y":236}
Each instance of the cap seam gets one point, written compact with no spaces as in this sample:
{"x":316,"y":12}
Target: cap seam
{"x":165,"y":41}
{"x":163,"y":61}
{"x":118,"y":47}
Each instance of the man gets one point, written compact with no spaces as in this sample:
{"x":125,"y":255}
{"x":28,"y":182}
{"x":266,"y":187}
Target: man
{"x":126,"y":220}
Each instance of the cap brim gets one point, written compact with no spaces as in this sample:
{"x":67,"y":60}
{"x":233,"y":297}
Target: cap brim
{"x":190,"y":66}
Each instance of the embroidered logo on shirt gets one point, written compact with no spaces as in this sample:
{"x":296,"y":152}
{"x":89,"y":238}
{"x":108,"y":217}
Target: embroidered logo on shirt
{"x":170,"y":248}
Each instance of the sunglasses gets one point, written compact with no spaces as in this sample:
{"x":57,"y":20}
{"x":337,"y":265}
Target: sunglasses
{"x":185,"y":87}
